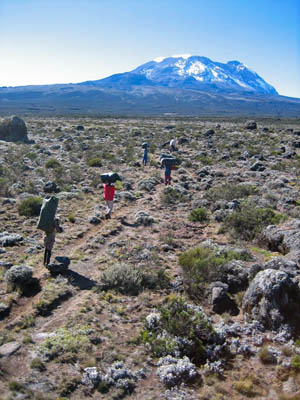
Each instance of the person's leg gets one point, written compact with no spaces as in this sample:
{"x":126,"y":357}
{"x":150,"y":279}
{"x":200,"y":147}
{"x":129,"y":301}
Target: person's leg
{"x":45,"y":256}
{"x":48,"y":257}
{"x":109,"y":209}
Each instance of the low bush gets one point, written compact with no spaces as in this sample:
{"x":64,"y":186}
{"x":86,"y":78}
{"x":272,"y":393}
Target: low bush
{"x":36,"y":363}
{"x":30,"y":207}
{"x":249,"y":221}
{"x":230,"y":192}
{"x":178,"y":329}
{"x":295,"y":363}
{"x":266,"y":357}
{"x":52,"y":163}
{"x":200,"y":267}
{"x":198,"y":215}
{"x":172,"y":195}
{"x":95,"y":162}
{"x":4,"y":185}
{"x":70,"y":344}
{"x":126,"y":279}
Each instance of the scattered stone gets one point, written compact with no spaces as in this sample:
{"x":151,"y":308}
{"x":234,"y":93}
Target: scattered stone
{"x":221,"y":302}
{"x":94,"y":220}
{"x":257,"y":166}
{"x":251,"y":125}
{"x":4,"y":310}
{"x":60,"y":265}
{"x":143,"y":218}
{"x":10,"y":239}
{"x":8,"y":349}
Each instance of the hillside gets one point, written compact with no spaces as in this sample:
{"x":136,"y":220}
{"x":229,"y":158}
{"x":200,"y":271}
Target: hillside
{"x":182,"y":86}
{"x":159,"y":302}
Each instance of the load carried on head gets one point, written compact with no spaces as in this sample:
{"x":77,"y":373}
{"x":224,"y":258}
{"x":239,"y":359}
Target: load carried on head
{"x":110,"y":177}
{"x":145,"y":145}
{"x":47,"y":215}
{"x":166,"y":160}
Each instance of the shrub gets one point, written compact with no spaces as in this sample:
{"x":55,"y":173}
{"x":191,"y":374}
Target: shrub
{"x":230,"y":192}
{"x":30,"y":207}
{"x":95,"y":162}
{"x":15,"y":386}
{"x":295,"y":363}
{"x":178,"y":329}
{"x":200,"y":266}
{"x":19,"y":276}
{"x":126,"y":279}
{"x":52,"y":163}
{"x":36,"y":363}
{"x":249,"y":221}
{"x":245,"y":387}
{"x":70,"y":343}
{"x":198,"y":215}
{"x":172,"y":195}
{"x":52,"y":295}
{"x":4,"y":184}
{"x":71,"y":218}
{"x":266,"y":357}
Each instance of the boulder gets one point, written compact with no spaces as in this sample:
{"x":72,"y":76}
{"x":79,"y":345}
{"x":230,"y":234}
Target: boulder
{"x":251,"y":125}
{"x":60,"y":265}
{"x":8,"y":349}
{"x":221,"y":302}
{"x":234,"y":274}
{"x":13,"y":130}
{"x":10,"y":239}
{"x":272,"y":298}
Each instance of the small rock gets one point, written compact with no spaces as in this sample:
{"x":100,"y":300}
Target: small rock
{"x":8,"y":349}
{"x":251,"y":125}
{"x":60,"y":265}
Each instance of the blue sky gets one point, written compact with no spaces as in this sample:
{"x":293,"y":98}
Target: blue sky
{"x":61,"y":41}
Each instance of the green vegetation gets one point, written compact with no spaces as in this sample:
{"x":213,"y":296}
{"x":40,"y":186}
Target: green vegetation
{"x":67,"y":344}
{"x":126,"y":279}
{"x":175,"y":321}
{"x":249,"y":221}
{"x":172,"y":195}
{"x":30,"y":207}
{"x":95,"y":162}
{"x":295,"y":363}
{"x":200,"y":267}
{"x":199,"y":215}
{"x":52,"y":295}
{"x":52,"y":163}
{"x":36,"y":363}
{"x":265,"y":356}
{"x":230,"y":192}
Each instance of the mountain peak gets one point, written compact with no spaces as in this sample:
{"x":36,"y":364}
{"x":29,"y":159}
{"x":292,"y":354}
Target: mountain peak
{"x":201,"y":73}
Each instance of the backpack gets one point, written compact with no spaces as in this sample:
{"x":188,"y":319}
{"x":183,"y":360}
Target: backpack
{"x":145,"y":145}
{"x":47,"y":215}
{"x":110,"y":177}
{"x":169,"y":162}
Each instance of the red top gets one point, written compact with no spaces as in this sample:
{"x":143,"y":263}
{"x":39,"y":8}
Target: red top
{"x":109,"y":192}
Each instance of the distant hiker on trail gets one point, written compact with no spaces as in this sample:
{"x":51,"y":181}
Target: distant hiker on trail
{"x":145,"y":146}
{"x":173,"y":145}
{"x":109,"y":193}
{"x":49,"y":224}
{"x":49,"y":241}
{"x":167,"y":174}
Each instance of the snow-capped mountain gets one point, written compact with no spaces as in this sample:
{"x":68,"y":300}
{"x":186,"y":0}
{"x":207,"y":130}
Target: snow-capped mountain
{"x":191,"y":72}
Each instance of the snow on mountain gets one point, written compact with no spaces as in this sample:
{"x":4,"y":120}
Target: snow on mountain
{"x":186,"y":71}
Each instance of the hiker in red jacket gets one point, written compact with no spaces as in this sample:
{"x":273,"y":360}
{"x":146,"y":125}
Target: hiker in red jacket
{"x":109,"y":192}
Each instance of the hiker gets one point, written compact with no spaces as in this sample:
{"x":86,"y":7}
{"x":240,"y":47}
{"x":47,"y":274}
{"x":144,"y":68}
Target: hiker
{"x":173,"y":145}
{"x":49,"y":241}
{"x":49,"y":224}
{"x":145,"y":146}
{"x":109,"y":193}
{"x":167,"y":174}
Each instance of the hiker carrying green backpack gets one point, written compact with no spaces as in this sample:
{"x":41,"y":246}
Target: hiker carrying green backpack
{"x":49,"y":224}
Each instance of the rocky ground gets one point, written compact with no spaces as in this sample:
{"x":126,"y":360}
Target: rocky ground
{"x":188,"y":292}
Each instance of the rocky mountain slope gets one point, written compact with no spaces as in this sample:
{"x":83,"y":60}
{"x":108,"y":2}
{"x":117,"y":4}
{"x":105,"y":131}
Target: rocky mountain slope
{"x":190,"y":291}
{"x":191,"y":72}
{"x":183,"y":86}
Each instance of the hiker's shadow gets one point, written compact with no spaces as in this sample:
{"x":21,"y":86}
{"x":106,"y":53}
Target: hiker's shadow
{"x":80,"y":281}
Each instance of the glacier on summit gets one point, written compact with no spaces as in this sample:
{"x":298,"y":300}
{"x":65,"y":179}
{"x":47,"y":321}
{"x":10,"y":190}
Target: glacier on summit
{"x":194,"y":72}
